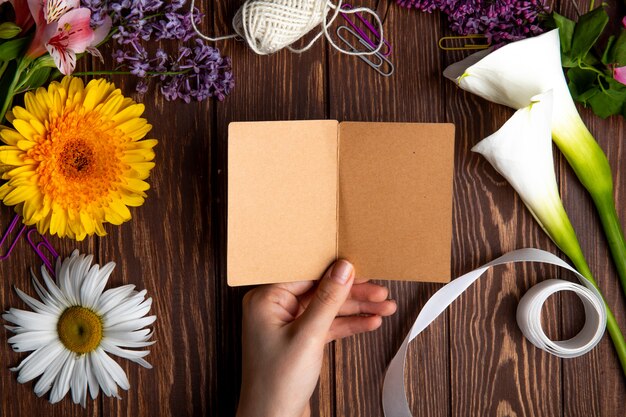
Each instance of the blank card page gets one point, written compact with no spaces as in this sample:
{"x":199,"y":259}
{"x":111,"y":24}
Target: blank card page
{"x":282,"y":200}
{"x":395,"y":199}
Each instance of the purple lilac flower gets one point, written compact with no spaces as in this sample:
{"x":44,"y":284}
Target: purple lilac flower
{"x":500,"y":20}
{"x":197,"y":72}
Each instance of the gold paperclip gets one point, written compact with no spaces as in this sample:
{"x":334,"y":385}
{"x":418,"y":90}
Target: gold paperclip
{"x":469,"y":44}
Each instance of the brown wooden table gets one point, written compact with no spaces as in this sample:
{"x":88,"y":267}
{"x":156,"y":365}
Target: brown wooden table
{"x":472,"y":361}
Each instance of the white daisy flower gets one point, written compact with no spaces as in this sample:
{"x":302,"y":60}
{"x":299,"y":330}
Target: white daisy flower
{"x":74,"y":326}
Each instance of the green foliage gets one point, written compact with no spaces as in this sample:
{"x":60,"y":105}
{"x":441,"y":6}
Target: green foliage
{"x":36,"y":74}
{"x":9,"y":30}
{"x":589,"y":67}
{"x":12,"y":49}
{"x":587,"y":31}
{"x":36,"y":78}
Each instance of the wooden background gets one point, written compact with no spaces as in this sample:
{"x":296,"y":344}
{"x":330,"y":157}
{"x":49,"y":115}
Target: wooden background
{"x":472,"y":361}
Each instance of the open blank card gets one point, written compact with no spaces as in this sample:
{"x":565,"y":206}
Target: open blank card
{"x":304,"y":193}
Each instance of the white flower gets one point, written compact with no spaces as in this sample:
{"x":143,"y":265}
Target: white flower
{"x":521,"y":151}
{"x":74,"y":326}
{"x":514,"y":74}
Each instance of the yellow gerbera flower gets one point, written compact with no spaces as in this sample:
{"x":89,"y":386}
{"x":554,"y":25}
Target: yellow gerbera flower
{"x":75,"y":158}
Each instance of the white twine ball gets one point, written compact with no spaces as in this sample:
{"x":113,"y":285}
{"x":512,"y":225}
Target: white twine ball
{"x":271,"y":25}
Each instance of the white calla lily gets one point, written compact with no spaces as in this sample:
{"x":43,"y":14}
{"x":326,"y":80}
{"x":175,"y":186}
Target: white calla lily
{"x":521,"y":151}
{"x":515,"y":73}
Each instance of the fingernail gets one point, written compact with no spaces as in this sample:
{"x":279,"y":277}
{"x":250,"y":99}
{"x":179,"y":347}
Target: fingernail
{"x":341,"y":271}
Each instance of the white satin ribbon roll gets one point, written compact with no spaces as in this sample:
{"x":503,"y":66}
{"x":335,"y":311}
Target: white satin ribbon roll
{"x":395,"y":403}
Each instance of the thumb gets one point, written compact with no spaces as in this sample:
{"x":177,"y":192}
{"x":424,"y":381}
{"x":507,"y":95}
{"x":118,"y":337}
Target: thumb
{"x":331,"y":293}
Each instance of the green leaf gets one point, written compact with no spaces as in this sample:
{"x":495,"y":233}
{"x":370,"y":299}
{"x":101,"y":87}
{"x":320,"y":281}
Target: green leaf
{"x":586,"y":96}
{"x":590,"y":60}
{"x":568,"y":62}
{"x":616,"y":85}
{"x":581,"y":80}
{"x":36,"y":79}
{"x":619,"y":49}
{"x":9,"y":30}
{"x":12,"y":49}
{"x":607,"y":103}
{"x":608,"y":56}
{"x":566,"y":31}
{"x":583,"y":84}
{"x":587,"y":31}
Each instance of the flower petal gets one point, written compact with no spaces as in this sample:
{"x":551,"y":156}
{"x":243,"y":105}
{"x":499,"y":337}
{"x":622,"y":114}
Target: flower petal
{"x":131,"y":309}
{"x":620,"y":74}
{"x":37,"y":305}
{"x":131,"y":325}
{"x":30,"y":320}
{"x":54,"y":291}
{"x":127,"y":344}
{"x":107,"y":384}
{"x":73,"y":31}
{"x":65,"y":278}
{"x":132,"y":355}
{"x":10,"y":136}
{"x":78,"y":381}
{"x":33,"y":340}
{"x":64,"y":58}
{"x":101,"y":32}
{"x":92,"y":381}
{"x":111,"y":297}
{"x":37,"y":362}
{"x":122,"y":336}
{"x":62,"y":382}
{"x":44,"y":383}
{"x":93,"y":291}
{"x":114,"y":369}
{"x":515,"y":73}
{"x":521,"y":151}
{"x":54,"y":9}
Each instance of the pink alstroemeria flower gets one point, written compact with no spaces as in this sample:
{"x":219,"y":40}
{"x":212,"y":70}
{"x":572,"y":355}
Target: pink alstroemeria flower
{"x":620,"y":74}
{"x":63,"y":30}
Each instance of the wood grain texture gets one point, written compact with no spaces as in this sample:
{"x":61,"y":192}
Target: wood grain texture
{"x":472,"y":361}
{"x":413,"y":94}
{"x":496,"y":371}
{"x":271,"y":90}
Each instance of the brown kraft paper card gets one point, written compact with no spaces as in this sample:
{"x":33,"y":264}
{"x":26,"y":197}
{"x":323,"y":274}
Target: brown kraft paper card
{"x":304,"y":193}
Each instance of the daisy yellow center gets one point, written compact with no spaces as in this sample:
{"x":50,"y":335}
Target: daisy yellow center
{"x":80,"y":329}
{"x":87,"y":154}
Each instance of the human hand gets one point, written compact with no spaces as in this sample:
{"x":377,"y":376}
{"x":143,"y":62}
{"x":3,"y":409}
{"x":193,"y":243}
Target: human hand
{"x":285,"y":328}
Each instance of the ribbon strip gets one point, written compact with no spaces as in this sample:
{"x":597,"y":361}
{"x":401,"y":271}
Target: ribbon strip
{"x":395,"y":403}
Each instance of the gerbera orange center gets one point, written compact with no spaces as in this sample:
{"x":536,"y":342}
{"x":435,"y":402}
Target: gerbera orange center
{"x":86,"y":151}
{"x":80,"y":329}
{"x":76,"y":159}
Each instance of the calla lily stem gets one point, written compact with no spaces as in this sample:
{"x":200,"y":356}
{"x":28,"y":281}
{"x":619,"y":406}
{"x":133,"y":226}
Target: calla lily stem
{"x":593,"y":170}
{"x":611,"y":323}
{"x":562,"y":233}
{"x":613,"y":232}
